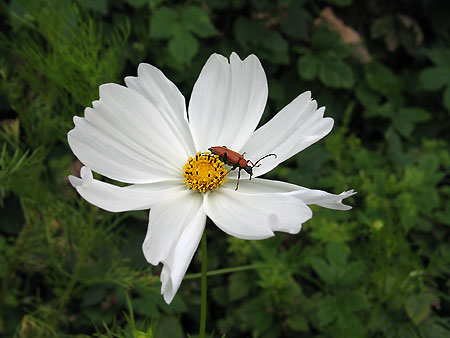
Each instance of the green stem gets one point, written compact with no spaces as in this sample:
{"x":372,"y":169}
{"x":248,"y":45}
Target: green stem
{"x":204,"y":287}
{"x":227,"y":270}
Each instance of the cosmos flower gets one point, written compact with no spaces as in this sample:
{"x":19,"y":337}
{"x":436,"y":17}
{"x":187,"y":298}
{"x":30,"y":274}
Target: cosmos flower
{"x":142,"y":135}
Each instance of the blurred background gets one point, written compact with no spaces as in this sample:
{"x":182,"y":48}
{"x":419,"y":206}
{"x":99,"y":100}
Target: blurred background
{"x":382,"y":69}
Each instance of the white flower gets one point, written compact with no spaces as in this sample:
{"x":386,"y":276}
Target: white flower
{"x":142,"y":135}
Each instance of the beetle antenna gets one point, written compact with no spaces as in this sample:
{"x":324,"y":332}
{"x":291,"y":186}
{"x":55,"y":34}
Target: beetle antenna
{"x":256,"y":163}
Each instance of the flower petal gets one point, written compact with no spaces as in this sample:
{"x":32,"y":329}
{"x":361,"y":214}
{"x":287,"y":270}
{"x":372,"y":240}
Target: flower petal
{"x":255,"y":216}
{"x":117,"y":199}
{"x":295,"y":127}
{"x":125,"y":137}
{"x":227,"y":101}
{"x":309,"y":196}
{"x":175,"y":228}
{"x":165,"y":96}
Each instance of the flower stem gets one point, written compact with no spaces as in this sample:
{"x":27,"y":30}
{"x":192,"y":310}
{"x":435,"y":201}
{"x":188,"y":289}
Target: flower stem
{"x":204,"y":287}
{"x":228,"y":270}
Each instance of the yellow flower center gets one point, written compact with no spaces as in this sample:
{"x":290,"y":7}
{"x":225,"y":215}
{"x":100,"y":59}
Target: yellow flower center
{"x":204,"y":172}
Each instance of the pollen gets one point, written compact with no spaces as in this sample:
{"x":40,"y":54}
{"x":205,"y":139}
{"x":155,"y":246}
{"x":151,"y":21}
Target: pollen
{"x":204,"y":172}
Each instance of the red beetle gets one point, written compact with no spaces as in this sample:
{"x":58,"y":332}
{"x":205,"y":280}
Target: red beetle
{"x":236,"y":160}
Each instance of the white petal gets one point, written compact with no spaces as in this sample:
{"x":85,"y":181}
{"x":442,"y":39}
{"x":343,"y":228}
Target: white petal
{"x":117,"y":199}
{"x":165,"y":96}
{"x":125,"y":137}
{"x":295,"y":127}
{"x":309,"y":196}
{"x":227,"y":101}
{"x":175,"y":228}
{"x":255,"y":216}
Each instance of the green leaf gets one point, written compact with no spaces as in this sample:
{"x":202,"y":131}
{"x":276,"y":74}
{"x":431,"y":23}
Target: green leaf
{"x":295,"y":24}
{"x":418,"y":307}
{"x":328,"y":310}
{"x":435,"y":328}
{"x":381,"y":79}
{"x":183,"y":45}
{"x":275,"y":47}
{"x":274,"y":41}
{"x":254,"y":311}
{"x":239,"y":286}
{"x":434,"y":78}
{"x":329,"y":45}
{"x":395,"y":147}
{"x":440,"y":56}
{"x":197,"y":21}
{"x":403,"y":125}
{"x":298,"y":322}
{"x":352,"y":273}
{"x":336,"y":74}
{"x":416,"y":114}
{"x":307,"y":66}
{"x":351,"y":301}
{"x":367,"y":97}
{"x":406,"y":331}
{"x":337,"y":253}
{"x":168,"y":326}
{"x":322,"y":269}
{"x":406,"y":118}
{"x":162,"y":23}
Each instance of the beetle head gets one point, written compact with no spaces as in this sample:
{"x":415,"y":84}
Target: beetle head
{"x":249,"y":170}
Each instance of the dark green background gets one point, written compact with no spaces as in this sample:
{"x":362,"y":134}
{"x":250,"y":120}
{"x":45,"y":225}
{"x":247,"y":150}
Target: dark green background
{"x":379,"y":270}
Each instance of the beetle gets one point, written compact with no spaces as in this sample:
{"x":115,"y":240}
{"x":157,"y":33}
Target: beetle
{"x":236,"y":160}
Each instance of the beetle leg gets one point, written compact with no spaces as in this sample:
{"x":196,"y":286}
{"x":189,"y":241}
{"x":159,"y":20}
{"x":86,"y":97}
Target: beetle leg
{"x":229,"y":171}
{"x":239,"y":176}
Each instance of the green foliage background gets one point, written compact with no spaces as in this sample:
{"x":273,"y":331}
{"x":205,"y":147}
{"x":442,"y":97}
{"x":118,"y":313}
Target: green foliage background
{"x":380,"y":270}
